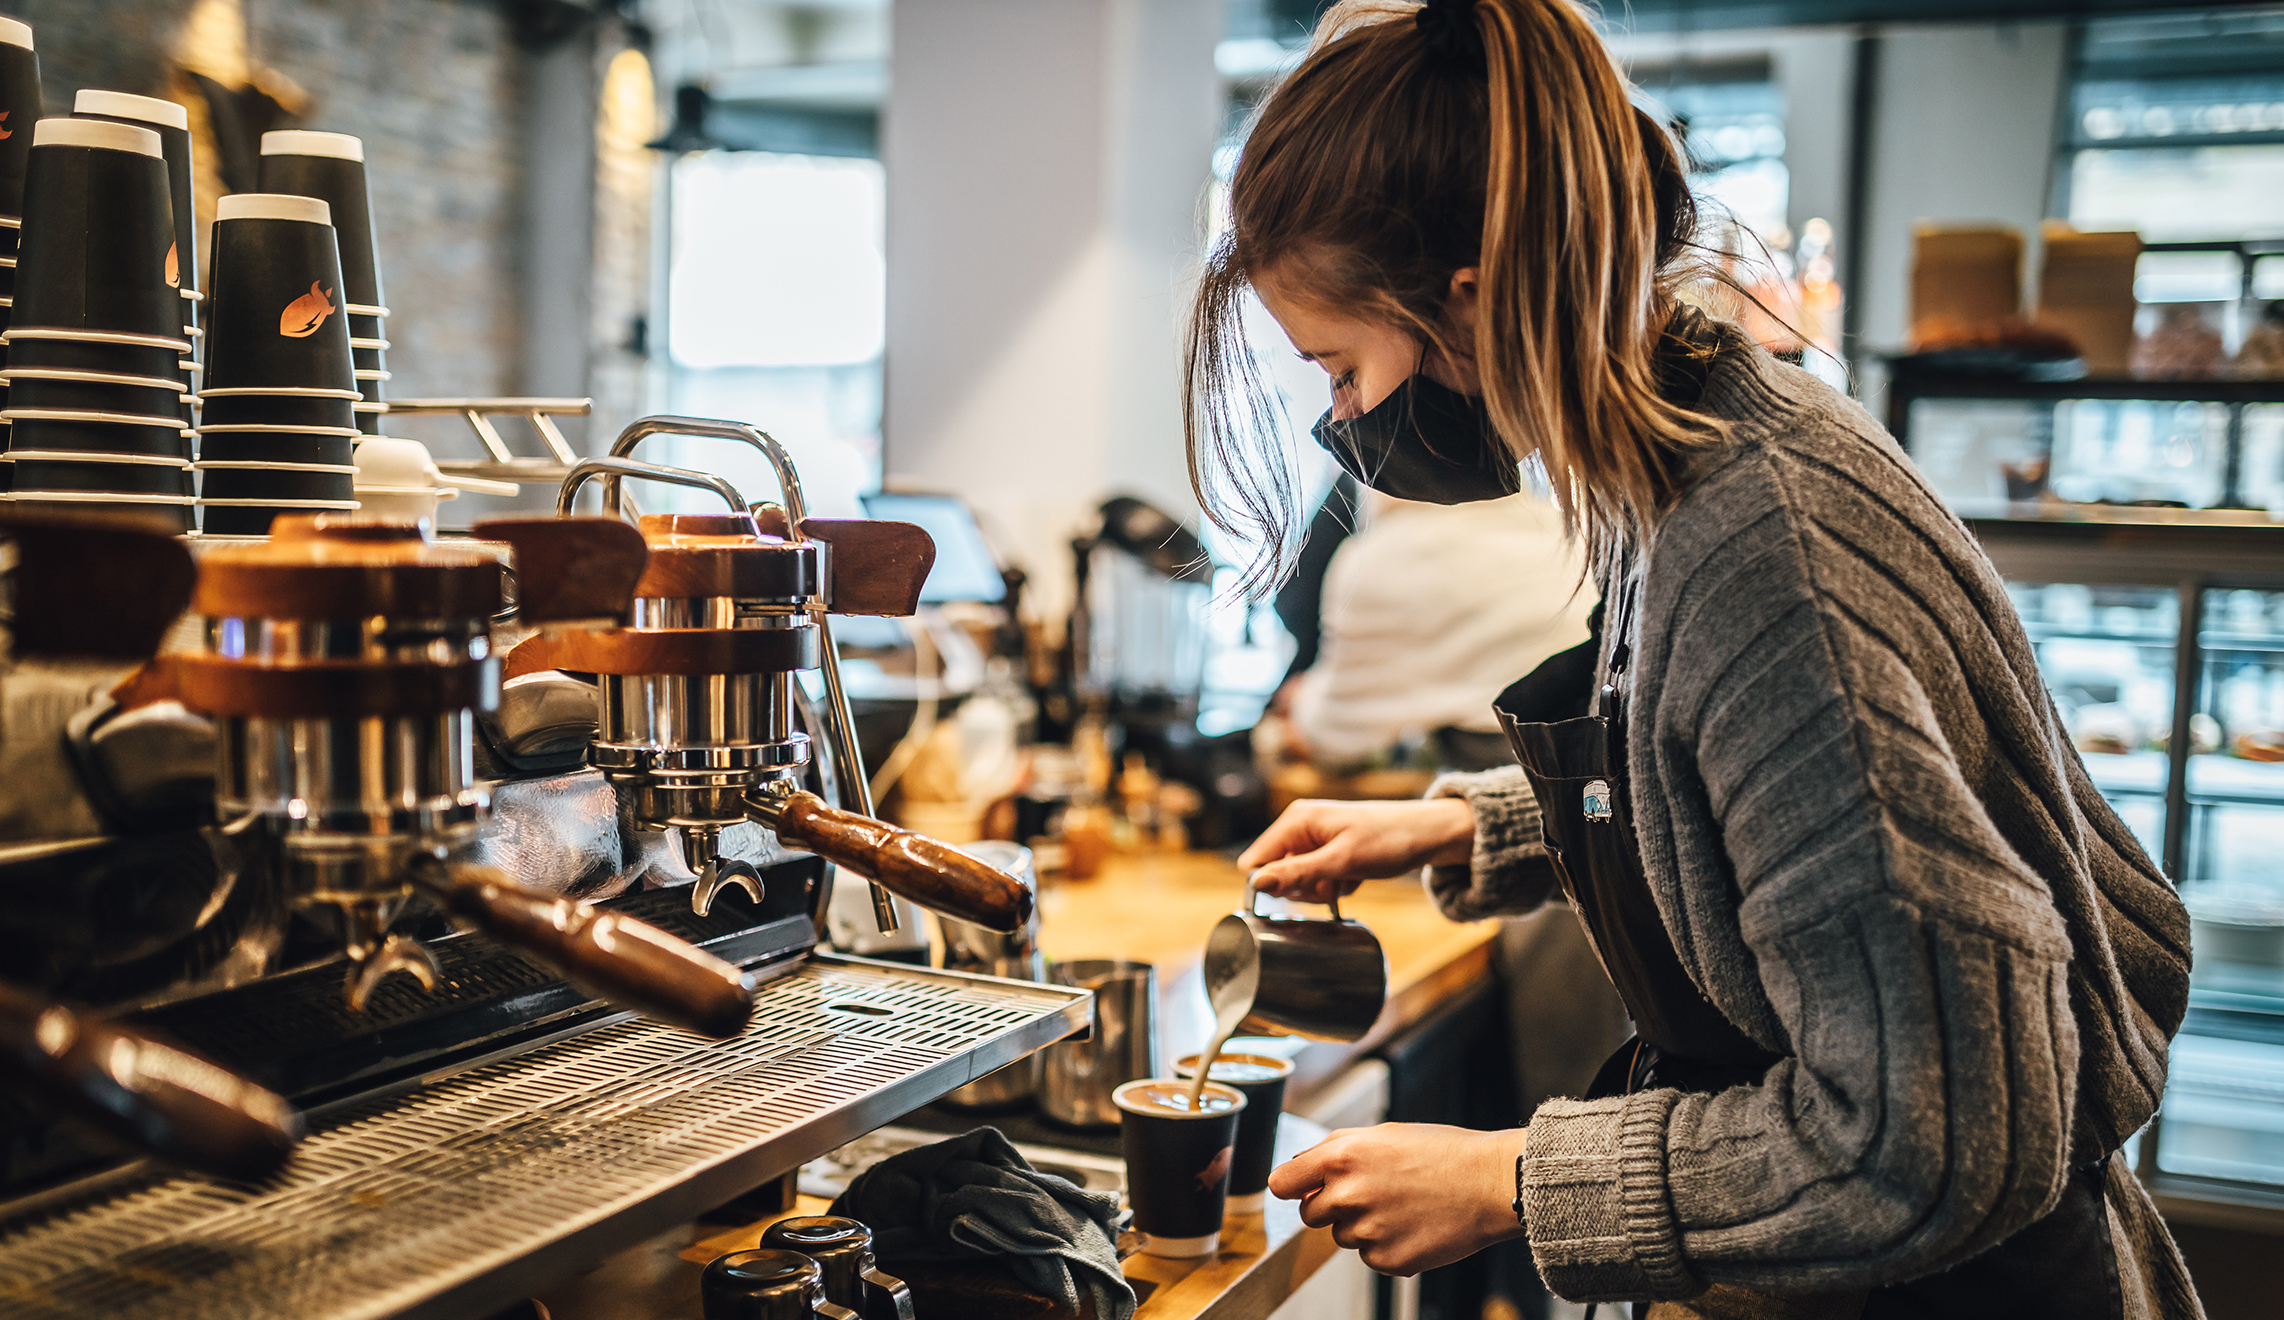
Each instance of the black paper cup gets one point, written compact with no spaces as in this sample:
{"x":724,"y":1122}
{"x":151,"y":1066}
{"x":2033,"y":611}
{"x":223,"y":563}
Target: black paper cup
{"x":234,"y":408}
{"x":96,"y":432}
{"x":175,"y":510}
{"x":1177,"y":1162}
{"x":98,"y":223}
{"x":48,"y":387}
{"x":331,"y":167}
{"x":83,"y":476}
{"x":274,"y":447}
{"x":172,"y":123}
{"x":365,"y":326}
{"x":274,"y":317}
{"x":276,"y":483}
{"x":370,"y":359}
{"x":228,"y":518}
{"x":19,"y":110}
{"x":31,"y":345}
{"x":1261,"y":1079}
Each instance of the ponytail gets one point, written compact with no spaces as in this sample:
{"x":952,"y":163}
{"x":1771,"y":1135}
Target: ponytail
{"x":1415,"y":141}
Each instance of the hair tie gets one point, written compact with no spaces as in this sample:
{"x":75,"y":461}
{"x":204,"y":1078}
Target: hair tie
{"x":1449,"y":29}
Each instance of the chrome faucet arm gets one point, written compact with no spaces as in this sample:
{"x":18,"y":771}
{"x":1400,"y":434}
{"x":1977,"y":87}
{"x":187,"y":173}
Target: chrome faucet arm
{"x":612,"y":469}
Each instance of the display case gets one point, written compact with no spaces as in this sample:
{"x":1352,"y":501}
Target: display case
{"x":2163,"y":644}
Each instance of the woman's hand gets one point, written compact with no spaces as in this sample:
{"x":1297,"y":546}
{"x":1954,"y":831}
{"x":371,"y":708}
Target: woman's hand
{"x":1408,"y":1196}
{"x":1318,"y":850}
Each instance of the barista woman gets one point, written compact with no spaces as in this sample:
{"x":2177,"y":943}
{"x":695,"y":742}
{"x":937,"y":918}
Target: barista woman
{"x":1902,"y":983}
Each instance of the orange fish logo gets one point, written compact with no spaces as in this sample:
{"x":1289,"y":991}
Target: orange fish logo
{"x":174,"y":263}
{"x":1216,"y":1172}
{"x":303,"y":315}
{"x":5,"y":132}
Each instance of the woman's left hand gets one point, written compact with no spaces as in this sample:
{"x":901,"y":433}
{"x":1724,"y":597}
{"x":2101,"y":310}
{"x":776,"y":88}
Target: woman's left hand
{"x":1408,"y":1196}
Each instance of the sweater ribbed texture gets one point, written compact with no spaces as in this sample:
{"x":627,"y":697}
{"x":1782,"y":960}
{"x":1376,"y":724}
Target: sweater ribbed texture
{"x":1877,"y":853}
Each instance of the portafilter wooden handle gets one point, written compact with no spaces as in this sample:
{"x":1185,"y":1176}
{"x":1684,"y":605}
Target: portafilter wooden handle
{"x":608,"y":954}
{"x":927,"y":871}
{"x":174,"y":1105}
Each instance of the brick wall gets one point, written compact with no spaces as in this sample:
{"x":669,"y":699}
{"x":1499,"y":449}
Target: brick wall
{"x":434,"y":89}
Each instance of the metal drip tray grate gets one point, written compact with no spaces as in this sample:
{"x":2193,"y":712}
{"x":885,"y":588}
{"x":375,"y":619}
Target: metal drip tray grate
{"x":469,"y":1192}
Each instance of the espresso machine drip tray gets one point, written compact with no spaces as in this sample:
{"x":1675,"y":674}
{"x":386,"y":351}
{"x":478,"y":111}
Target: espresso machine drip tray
{"x":468,"y":1193}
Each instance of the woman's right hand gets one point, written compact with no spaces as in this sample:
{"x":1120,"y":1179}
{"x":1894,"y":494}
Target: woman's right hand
{"x":1319,"y":850}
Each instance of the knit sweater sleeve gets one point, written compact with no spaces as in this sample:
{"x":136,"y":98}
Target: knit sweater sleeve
{"x":1819,"y":821}
{"x":1508,"y":873}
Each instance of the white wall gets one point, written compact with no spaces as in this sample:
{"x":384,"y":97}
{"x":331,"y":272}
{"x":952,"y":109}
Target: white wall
{"x":1046,"y":161}
{"x":1964,"y":132}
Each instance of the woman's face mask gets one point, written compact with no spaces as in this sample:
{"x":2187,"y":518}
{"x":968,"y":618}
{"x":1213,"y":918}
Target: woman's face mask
{"x":1424,"y":442}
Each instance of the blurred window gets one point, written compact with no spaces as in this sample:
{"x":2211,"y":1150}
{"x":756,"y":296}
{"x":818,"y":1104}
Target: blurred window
{"x":777,"y":315}
{"x":2175,"y":127}
{"x":1730,"y":115}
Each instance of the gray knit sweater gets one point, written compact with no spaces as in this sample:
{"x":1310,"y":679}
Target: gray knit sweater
{"x":1877,"y":853}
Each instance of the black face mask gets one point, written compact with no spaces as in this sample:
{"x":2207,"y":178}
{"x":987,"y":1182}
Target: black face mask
{"x":1425,"y":442}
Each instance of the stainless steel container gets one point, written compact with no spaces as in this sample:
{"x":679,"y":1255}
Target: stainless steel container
{"x":1078,"y":1077}
{"x":1012,"y":954}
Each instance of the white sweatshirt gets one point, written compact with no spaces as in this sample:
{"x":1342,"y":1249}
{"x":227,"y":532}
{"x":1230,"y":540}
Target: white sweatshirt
{"x":1429,"y":613}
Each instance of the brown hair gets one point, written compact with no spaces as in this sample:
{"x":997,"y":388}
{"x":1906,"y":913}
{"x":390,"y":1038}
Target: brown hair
{"x":1410,"y":144}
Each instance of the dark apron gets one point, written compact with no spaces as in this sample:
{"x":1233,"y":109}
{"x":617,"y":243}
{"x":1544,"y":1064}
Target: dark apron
{"x":2060,"y":1267}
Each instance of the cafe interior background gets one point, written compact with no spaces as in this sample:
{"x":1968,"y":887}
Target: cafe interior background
{"x":941,"y":247}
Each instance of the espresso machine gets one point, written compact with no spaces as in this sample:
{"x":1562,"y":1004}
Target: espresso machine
{"x":397,"y":829}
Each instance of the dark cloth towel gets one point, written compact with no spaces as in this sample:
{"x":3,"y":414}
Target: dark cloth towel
{"x":975,"y":1197}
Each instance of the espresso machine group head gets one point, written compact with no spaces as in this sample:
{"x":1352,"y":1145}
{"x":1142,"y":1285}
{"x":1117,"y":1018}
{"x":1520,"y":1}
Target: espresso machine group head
{"x":344,"y":662}
{"x":695,"y":696}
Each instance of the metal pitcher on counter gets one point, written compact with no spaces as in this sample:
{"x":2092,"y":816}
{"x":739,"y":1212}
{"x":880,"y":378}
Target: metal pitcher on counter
{"x":1014,"y":954}
{"x":1296,"y":976}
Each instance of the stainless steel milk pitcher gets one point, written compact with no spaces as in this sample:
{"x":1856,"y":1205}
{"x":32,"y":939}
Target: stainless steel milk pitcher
{"x":1326,"y":980}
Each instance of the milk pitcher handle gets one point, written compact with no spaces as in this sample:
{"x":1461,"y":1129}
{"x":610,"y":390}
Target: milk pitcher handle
{"x":1253,"y":898}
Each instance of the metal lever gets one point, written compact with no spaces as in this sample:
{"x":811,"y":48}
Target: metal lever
{"x":843,"y":727}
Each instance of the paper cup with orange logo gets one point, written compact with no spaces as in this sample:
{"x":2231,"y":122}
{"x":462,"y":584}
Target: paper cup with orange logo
{"x":172,"y":123}
{"x":98,"y":223}
{"x":1177,"y":1162}
{"x":275,"y":309}
{"x":331,"y":167}
{"x":19,"y":110}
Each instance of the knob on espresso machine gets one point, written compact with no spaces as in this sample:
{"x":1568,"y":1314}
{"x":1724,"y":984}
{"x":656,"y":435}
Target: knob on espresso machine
{"x":695,"y":705}
{"x":344,"y":662}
